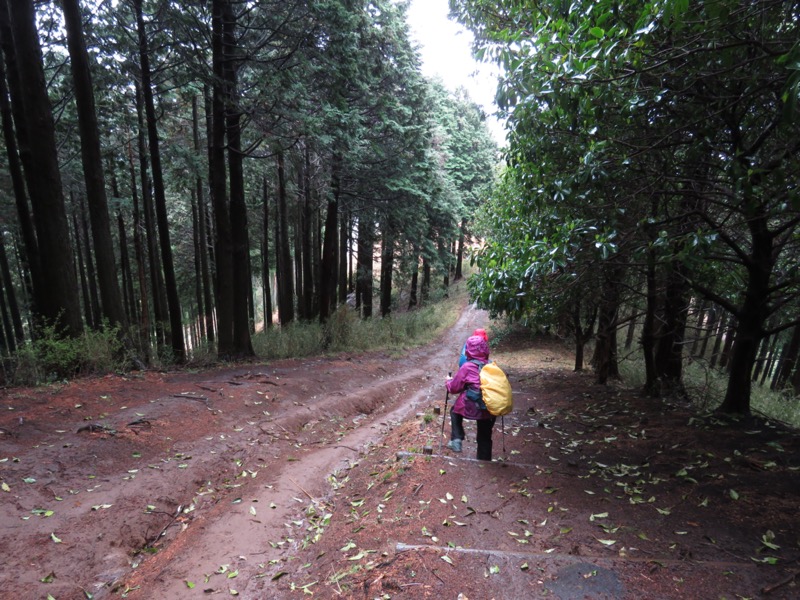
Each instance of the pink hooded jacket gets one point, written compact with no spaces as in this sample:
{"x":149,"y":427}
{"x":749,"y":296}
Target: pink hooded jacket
{"x":469,"y":374}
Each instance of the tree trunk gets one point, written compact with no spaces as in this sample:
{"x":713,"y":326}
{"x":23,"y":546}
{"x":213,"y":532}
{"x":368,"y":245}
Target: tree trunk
{"x":763,"y":353}
{"x":82,"y":236}
{"x":730,"y":337}
{"x":387,"y":268}
{"x":238,"y":209}
{"x":223,"y":247}
{"x":651,"y":384}
{"x":207,"y":311}
{"x":7,"y":343}
{"x":13,"y":305}
{"x":92,"y":161}
{"x":129,"y":297}
{"x":710,"y":326}
{"x":265,"y":277}
{"x":308,"y":241}
{"x":425,"y":288}
{"x":412,"y":294}
{"x":788,"y":360}
{"x":364,"y":278}
{"x":57,"y":296}
{"x":698,"y":333}
{"x":173,"y":302}
{"x":141,"y":265}
{"x":669,"y":347}
{"x":198,"y":274}
{"x":606,"y":349}
{"x":328,"y":279}
{"x":344,"y":238}
{"x":751,"y":317}
{"x":297,"y":241}
{"x":153,"y":255}
{"x":770,"y":360}
{"x":87,"y":303}
{"x":283,"y":249}
{"x":462,"y":236}
{"x":18,"y":151}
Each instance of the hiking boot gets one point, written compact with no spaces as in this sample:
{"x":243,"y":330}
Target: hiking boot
{"x":454,"y":445}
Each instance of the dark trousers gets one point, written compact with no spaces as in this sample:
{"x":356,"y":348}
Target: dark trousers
{"x":484,"y":437}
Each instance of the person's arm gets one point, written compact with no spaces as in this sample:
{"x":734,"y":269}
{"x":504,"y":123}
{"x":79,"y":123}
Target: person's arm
{"x":457,"y":384}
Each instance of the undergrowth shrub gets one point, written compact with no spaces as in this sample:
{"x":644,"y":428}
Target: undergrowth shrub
{"x":706,"y":388}
{"x":53,"y":356}
{"x":345,"y":331}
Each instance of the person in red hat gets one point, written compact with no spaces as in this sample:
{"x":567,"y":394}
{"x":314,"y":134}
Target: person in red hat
{"x":468,"y":377}
{"x":463,"y":358}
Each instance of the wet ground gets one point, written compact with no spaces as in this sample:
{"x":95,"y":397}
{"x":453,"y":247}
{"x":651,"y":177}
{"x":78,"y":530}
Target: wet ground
{"x":328,"y":478}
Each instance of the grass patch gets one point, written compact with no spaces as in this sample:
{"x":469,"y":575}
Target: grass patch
{"x":706,"y":388}
{"x":346,"y":332}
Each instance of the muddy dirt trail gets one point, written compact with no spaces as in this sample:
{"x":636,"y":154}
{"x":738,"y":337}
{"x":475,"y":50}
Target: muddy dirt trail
{"x":310,"y":478}
{"x":145,"y":485}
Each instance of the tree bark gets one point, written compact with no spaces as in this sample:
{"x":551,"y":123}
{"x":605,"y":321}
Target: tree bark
{"x":344,"y":238}
{"x":13,"y":305}
{"x":207,"y":313}
{"x":606,"y":349}
{"x":238,"y":209}
{"x":223,"y":247}
{"x":198,"y":275}
{"x":283,"y":249}
{"x":308,"y":242}
{"x":751,"y":317}
{"x":462,"y":235}
{"x":153,"y":255}
{"x":141,"y":266}
{"x":173,"y":301}
{"x":328,"y":278}
{"x":129,"y":298}
{"x":364,"y":278}
{"x":387,"y":268}
{"x":18,"y":151}
{"x":788,"y":360}
{"x":651,"y":385}
{"x":265,"y":277}
{"x":669,"y":347}
{"x":87,"y":303}
{"x":92,"y":161}
{"x":57,"y":296}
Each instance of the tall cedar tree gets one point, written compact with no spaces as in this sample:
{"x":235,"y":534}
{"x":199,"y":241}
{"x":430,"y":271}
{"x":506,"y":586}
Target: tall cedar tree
{"x":57,"y":290}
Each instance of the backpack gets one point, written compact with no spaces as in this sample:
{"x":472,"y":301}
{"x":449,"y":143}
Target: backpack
{"x":495,"y":393}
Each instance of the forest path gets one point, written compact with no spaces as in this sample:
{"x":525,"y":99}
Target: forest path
{"x":140,"y":484}
{"x":244,"y":538}
{"x":308,"y":477}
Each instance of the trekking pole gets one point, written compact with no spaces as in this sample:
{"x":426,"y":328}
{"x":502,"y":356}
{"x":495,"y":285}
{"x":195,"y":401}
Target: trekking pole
{"x":444,"y":413}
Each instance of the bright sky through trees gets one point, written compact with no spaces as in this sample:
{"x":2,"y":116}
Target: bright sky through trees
{"x":445,"y":47}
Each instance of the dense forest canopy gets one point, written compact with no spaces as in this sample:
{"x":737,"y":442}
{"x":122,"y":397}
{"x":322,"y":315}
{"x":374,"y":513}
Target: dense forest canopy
{"x":184,"y":174}
{"x":652,"y":182}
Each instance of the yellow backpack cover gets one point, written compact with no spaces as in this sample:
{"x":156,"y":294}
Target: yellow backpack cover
{"x":496,"y":390}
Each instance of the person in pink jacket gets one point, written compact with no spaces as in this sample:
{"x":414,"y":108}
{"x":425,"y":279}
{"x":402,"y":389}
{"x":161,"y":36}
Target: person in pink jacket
{"x":468,"y":376}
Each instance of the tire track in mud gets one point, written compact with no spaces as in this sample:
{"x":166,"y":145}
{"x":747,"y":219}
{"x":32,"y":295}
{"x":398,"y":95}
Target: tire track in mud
{"x":232,"y":544}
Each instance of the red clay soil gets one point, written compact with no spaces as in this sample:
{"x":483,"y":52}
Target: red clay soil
{"x":312,"y":478}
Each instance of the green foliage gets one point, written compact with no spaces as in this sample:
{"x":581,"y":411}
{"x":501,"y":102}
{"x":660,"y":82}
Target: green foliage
{"x":346,"y":332}
{"x":651,"y":142}
{"x":53,"y":356}
{"x":706,"y":388}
